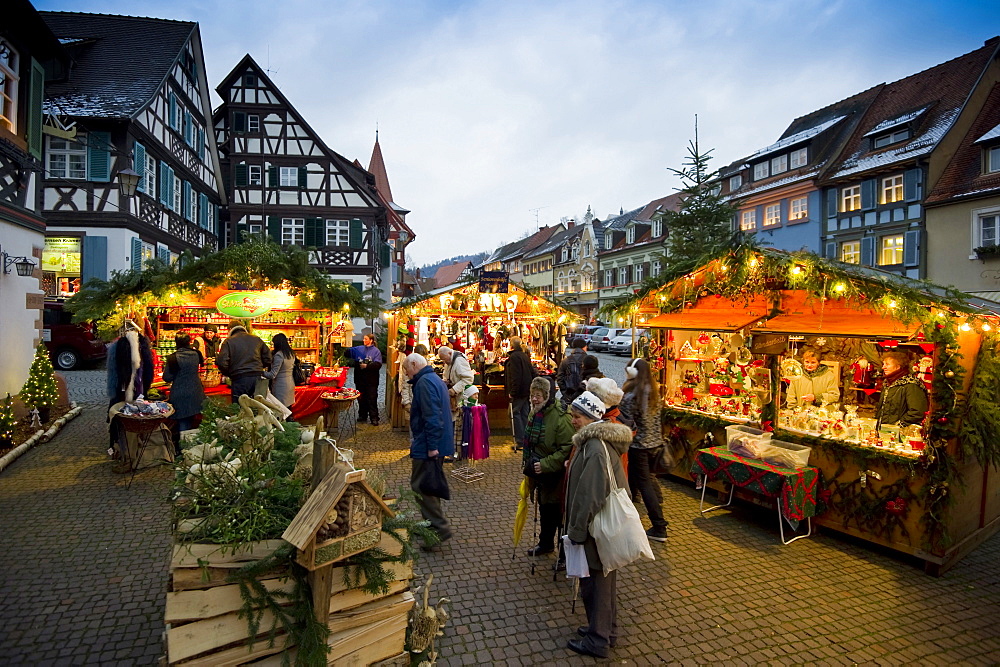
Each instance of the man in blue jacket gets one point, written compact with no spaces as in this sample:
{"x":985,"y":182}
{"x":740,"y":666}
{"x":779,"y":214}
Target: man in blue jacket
{"x":432,"y":435}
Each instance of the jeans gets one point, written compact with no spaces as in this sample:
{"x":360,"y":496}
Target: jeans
{"x":641,"y":480}
{"x":243,"y":385}
{"x":519,"y":408}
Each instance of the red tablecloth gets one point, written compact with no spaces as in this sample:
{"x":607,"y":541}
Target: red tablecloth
{"x":337,"y":380}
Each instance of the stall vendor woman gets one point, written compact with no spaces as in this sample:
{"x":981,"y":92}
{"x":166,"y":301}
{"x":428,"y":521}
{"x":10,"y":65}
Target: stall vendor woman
{"x":904,"y":398}
{"x":816,"y":385}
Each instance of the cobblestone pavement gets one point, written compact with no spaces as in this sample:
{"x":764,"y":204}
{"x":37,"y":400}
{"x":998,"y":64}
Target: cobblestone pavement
{"x":86,"y":568}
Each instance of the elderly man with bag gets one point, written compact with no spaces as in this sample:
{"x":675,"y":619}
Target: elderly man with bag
{"x":432,"y":437}
{"x":243,"y":358}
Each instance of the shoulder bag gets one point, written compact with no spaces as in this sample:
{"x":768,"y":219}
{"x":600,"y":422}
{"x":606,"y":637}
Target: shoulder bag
{"x":617,"y":528}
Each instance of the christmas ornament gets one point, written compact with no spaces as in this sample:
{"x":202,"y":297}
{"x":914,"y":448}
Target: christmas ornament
{"x":949,"y":374}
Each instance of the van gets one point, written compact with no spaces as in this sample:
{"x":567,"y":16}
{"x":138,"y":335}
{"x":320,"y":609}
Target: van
{"x":69,"y":345}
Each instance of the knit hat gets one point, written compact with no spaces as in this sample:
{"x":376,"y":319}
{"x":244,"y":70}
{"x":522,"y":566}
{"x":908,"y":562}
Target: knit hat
{"x":588,"y":404}
{"x":541,"y":385}
{"x":590,"y":363}
{"x":605,"y":389}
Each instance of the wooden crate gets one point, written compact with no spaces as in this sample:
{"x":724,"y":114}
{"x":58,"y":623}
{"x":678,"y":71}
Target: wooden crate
{"x":203,"y":626}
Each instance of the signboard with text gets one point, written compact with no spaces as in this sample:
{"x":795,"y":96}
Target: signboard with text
{"x":493,"y":282}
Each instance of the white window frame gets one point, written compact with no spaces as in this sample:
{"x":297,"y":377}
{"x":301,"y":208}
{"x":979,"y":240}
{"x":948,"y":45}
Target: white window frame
{"x":798,"y":158}
{"x":748,"y":220}
{"x":609,"y":277}
{"x":890,"y":250}
{"x":761,"y":170}
{"x":655,"y":267}
{"x":850,"y":199}
{"x":735,"y":182}
{"x":151,"y":182}
{"x":779,"y":164}
{"x":772,"y":215}
{"x":62,"y":154}
{"x":608,"y":241}
{"x":9,"y":64}
{"x":255,"y":174}
{"x":976,"y":222}
{"x":338,"y":233}
{"x":564,"y":254}
{"x":293,"y":231}
{"x":288,"y":177}
{"x":892,"y":189}
{"x":561,"y":283}
{"x":148,"y":252}
{"x":575,"y":253}
{"x":798,"y":208}
{"x":850,"y":252}
{"x":253,"y":122}
{"x":255,"y":228}
{"x":193,"y":206}
{"x":623,"y":275}
{"x":587,"y":248}
{"x":637,"y":273}
{"x":657,"y":230}
{"x":630,"y":234}
{"x":210,"y":217}
{"x":178,"y":204}
{"x":890,"y":138}
{"x":991,"y":160}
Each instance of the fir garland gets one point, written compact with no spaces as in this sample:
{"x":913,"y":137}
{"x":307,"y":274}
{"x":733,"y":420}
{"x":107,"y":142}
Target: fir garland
{"x":981,"y":421}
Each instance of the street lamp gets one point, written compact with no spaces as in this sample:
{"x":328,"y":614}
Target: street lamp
{"x":128,"y":181}
{"x":24,"y":266}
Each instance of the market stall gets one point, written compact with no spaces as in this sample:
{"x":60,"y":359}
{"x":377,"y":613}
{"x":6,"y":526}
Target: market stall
{"x":888,"y":386}
{"x":482,"y":317}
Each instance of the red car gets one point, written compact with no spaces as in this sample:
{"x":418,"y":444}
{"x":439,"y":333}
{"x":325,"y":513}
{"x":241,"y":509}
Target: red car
{"x":70,"y":345}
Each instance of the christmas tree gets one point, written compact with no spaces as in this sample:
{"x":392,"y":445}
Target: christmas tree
{"x":7,"y":423}
{"x":39,"y":391}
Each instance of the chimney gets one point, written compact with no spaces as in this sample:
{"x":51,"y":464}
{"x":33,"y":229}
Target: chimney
{"x":570,"y":223}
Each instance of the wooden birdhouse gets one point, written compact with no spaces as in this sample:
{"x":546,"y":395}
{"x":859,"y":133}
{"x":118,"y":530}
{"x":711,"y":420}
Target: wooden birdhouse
{"x":342,"y":517}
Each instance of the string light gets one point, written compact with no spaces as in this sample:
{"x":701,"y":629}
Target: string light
{"x":892,"y":303}
{"x":986,"y":326}
{"x":965,"y":326}
{"x":796,"y":270}
{"x":839,"y":287}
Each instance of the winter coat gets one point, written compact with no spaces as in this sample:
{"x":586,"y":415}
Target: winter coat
{"x":821,"y":383}
{"x":458,"y":375}
{"x":903,"y":402}
{"x":552,"y":451}
{"x":569,"y":377}
{"x":518,"y":374}
{"x":587,"y":483}
{"x":368,"y":376}
{"x":280,"y":375}
{"x":243,"y":354}
{"x":133,"y":367}
{"x":186,"y":392}
{"x":647,"y":423}
{"x":430,"y":416}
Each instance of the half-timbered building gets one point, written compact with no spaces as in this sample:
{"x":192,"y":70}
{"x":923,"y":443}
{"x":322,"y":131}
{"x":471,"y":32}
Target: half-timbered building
{"x":282,"y":180}
{"x":126,"y":108}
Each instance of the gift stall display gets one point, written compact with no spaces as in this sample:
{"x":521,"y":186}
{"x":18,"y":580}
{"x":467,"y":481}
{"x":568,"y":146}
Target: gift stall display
{"x":887,"y":384}
{"x":477,"y":319}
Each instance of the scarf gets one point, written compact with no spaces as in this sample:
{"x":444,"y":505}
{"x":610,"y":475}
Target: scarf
{"x":535,"y":429}
{"x":892,"y":377}
{"x":815,"y":373}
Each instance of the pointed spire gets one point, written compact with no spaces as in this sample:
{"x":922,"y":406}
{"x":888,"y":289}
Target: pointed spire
{"x":376,"y":167}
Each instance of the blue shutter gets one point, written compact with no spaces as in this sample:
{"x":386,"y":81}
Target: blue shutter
{"x":139,"y":164}
{"x":163,"y":254}
{"x":201,"y":144}
{"x":99,"y":156}
{"x":868,"y":251}
{"x":868,"y":194}
{"x":203,"y":210}
{"x":136,"y":254}
{"x":831,"y":250}
{"x":94,"y":258}
{"x":186,"y":128}
{"x":832,"y":203}
{"x":911,"y":184}
{"x":186,"y":200}
{"x":172,"y":112}
{"x":170,"y":187}
{"x":165,"y":182}
{"x":911,"y":248}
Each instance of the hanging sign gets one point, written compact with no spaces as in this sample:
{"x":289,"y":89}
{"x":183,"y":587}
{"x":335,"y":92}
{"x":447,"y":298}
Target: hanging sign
{"x":243,"y":304}
{"x":493,"y":282}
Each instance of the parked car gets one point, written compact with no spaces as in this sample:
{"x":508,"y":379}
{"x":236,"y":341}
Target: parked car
{"x":600,"y":339}
{"x":622,"y":344}
{"x":69,"y":345}
{"x":580,"y":331}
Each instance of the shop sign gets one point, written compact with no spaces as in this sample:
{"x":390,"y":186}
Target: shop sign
{"x":243,"y":304}
{"x":493,"y":282}
{"x":769,"y":343}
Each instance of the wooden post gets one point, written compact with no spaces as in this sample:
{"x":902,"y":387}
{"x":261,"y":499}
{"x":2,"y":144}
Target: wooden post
{"x":321,"y":580}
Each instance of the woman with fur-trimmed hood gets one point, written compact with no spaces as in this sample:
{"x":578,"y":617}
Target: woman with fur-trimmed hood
{"x":587,"y":489}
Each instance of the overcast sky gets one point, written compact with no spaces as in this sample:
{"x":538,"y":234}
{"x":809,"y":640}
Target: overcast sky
{"x":489,"y":110}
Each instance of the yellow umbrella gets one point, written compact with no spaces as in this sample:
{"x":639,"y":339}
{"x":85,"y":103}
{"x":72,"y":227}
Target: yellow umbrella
{"x":522,"y":510}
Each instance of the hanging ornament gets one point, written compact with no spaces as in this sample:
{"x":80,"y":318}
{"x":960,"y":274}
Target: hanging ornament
{"x":949,"y":374}
{"x":821,"y":341}
{"x":942,"y":420}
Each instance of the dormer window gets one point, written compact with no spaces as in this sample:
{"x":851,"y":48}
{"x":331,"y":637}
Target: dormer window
{"x":798,"y":158}
{"x":779,"y":164}
{"x":890,"y":138}
{"x":587,"y":248}
{"x":760,"y":170}
{"x":565,"y":254}
{"x":735,"y":182}
{"x":576,"y":252}
{"x":630,"y":234}
{"x":657,"y":228}
{"x":608,"y":241}
{"x":992,"y":160}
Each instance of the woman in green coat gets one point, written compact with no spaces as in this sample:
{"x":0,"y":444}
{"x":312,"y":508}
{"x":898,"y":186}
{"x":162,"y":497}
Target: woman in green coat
{"x":548,"y":439}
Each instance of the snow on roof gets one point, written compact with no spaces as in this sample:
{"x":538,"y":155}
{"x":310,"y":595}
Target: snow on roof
{"x":992,"y":134}
{"x":919,"y":146}
{"x":886,"y":125}
{"x":796,"y":138}
{"x":770,"y":185}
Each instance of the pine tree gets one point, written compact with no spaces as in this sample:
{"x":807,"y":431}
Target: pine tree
{"x":40,"y":391}
{"x":7,"y":422}
{"x":702,"y":224}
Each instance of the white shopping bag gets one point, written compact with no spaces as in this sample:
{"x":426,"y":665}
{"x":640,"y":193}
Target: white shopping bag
{"x":576,"y":559}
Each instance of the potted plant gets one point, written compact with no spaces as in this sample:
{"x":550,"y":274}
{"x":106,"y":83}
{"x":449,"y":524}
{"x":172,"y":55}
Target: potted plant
{"x":987,"y":251}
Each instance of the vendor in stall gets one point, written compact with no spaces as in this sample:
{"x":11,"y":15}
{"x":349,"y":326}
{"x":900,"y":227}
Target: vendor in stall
{"x":817,"y":385}
{"x":208,"y":342}
{"x":904,"y":398}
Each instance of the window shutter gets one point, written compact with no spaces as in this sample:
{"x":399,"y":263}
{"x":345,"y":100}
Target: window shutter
{"x":35,"y":97}
{"x":783,"y":211}
{"x":911,"y":184}
{"x":242,"y":177}
{"x":172,"y":118}
{"x":272,"y":176}
{"x":360,"y":287}
{"x":165,"y":181}
{"x":831,"y":250}
{"x":911,"y":248}
{"x":384,"y":256}
{"x":239,"y":122}
{"x":136,"y":254}
{"x":187,"y":127}
{"x":186,"y":200}
{"x":831,"y":202}
{"x":868,"y":251}
{"x":170,"y":187}
{"x":303,"y":177}
{"x":94,"y":260}
{"x":99,"y":156}
{"x":215,"y":219}
{"x":203,"y":210}
{"x":309,"y":233}
{"x":355,"y":235}
{"x":201,"y":144}
{"x":139,"y":164}
{"x":868,"y":194}
{"x":274,"y":228}
{"x":163,"y":254}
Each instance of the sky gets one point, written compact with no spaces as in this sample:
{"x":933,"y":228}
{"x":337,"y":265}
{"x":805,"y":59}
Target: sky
{"x":495,"y":118}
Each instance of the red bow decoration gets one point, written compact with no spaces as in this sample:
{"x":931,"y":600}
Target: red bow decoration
{"x":896,"y":507}
{"x":767,"y":425}
{"x":889,"y":343}
{"x":927,"y":347}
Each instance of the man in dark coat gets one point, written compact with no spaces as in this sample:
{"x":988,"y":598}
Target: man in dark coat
{"x":242,"y":358}
{"x":517,"y":380}
{"x":432,"y":435}
{"x":366,"y":377}
{"x":569,"y":377}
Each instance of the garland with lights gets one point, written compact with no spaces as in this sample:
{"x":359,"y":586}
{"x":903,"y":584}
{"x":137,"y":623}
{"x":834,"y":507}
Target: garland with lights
{"x":7,"y":422}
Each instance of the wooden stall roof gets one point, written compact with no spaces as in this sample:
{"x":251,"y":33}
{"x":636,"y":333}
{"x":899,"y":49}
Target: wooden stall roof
{"x":714,"y":314}
{"x":525,"y":302}
{"x":834,"y":317}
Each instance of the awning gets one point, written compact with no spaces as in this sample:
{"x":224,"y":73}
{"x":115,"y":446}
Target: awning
{"x":838,"y":323}
{"x":713,"y":313}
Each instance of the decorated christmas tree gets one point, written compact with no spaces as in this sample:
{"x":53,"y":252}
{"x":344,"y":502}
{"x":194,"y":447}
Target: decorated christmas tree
{"x":40,"y":391}
{"x":7,"y":423}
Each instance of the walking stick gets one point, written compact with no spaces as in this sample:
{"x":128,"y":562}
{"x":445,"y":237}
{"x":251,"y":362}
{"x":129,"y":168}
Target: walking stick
{"x":534,"y":530}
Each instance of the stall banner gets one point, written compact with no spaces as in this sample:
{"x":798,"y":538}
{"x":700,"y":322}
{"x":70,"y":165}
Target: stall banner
{"x":768,"y":343}
{"x":243,"y":304}
{"x":494,"y":282}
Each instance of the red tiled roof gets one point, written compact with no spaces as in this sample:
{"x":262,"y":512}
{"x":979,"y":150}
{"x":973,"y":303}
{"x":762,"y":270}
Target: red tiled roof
{"x":377,"y":168}
{"x":668,"y":203}
{"x":446,"y":275}
{"x":964,"y":173}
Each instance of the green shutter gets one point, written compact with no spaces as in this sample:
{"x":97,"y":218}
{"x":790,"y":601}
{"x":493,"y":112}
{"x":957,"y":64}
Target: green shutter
{"x":35,"y":97}
{"x":164,"y":183}
{"x":99,"y":156}
{"x":274,"y":228}
{"x":241,"y":174}
{"x":172,"y":112}
{"x":360,"y":287}
{"x":355,"y":236}
{"x":303,"y":177}
{"x":139,"y":164}
{"x":136,"y":254}
{"x":203,"y":210}
{"x":239,"y":121}
{"x":272,"y":176}
{"x":311,"y":235}
{"x":384,"y":255}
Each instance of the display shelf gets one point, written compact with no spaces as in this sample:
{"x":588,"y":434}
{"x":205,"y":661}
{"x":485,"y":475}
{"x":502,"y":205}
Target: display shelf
{"x":256,"y":325}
